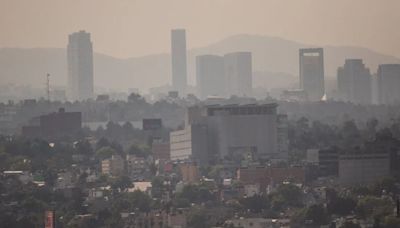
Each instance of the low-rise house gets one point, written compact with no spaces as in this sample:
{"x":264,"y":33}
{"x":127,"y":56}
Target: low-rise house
{"x":257,"y":223}
{"x":95,"y":193}
{"x":270,"y":176}
{"x":23,"y":176}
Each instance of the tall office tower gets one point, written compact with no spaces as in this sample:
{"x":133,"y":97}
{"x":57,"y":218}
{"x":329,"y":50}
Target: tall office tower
{"x":354,"y":82}
{"x":80,"y":66}
{"x":389,"y":83}
{"x":238,"y":73}
{"x":178,"y":58}
{"x":312,"y":73}
{"x":210,"y":76}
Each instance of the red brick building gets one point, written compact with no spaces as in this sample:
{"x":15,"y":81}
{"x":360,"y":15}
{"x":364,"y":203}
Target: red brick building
{"x":161,"y":151}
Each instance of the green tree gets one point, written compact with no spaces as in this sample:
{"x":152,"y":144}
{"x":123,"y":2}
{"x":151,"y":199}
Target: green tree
{"x":374,"y":207}
{"x":157,"y":187}
{"x":340,"y":205}
{"x":287,"y":195}
{"x":83,"y":147}
{"x":196,"y":194}
{"x":256,"y":203}
{"x":387,"y":184}
{"x":350,"y":224}
{"x":315,"y":215}
{"x":132,"y":201}
{"x":105,"y":153}
{"x":103,"y":142}
{"x":198,"y":218}
{"x":139,"y":150}
{"x":391,"y":222}
{"x":122,"y":183}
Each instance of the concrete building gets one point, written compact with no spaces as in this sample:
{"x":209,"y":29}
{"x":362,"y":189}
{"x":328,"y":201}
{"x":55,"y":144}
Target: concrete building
{"x":189,"y":173}
{"x":155,"y":219}
{"x":80,"y":66}
{"x":114,"y":166}
{"x":189,"y":144}
{"x":54,"y":125}
{"x":251,"y":189}
{"x":270,"y":176}
{"x":160,"y":150}
{"x":136,"y":167}
{"x":312,"y":73}
{"x":363,"y":168}
{"x":326,"y":161}
{"x":238,"y":74}
{"x":65,"y":180}
{"x":283,"y":137}
{"x":389,"y":83}
{"x":210,"y":79}
{"x":294,"y":95}
{"x":354,"y":82}
{"x":61,"y":123}
{"x":178,"y":58}
{"x":230,"y":133}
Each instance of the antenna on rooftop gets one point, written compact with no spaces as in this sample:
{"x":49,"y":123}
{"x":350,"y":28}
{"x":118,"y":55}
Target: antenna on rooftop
{"x":48,"y":87}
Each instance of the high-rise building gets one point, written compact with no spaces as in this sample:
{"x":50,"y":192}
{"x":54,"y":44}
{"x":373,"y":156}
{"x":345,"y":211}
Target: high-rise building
{"x":231,"y":133}
{"x":178,"y":58}
{"x":238,"y":73}
{"x":210,"y":76}
{"x":354,"y":82}
{"x":312,"y":73}
{"x":80,"y":66}
{"x":389,"y":83}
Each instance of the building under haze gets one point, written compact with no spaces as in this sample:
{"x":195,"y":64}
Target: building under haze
{"x":363,"y":168}
{"x":80,"y":66}
{"x":312,"y":72}
{"x":230,"y":133}
{"x":178,"y":60}
{"x":210,"y":76}
{"x":54,"y":125}
{"x":354,"y":82}
{"x":389,"y":83}
{"x":238,"y":74}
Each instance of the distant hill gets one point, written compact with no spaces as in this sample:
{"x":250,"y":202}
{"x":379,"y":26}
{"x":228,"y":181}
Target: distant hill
{"x":272,"y":58}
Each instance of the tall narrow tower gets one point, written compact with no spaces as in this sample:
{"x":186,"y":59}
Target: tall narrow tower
{"x":238,"y":73}
{"x":354,"y":82}
{"x":210,"y":76}
{"x":312,"y":72}
{"x":389,"y":83}
{"x":80,"y":66}
{"x":178,"y":60}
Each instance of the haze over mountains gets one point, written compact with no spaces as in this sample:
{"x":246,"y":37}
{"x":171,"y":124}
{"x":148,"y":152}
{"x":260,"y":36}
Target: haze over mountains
{"x":275,"y":63}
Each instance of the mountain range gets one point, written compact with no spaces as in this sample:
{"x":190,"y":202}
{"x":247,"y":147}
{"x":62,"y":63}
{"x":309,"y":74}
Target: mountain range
{"x":275,"y":63}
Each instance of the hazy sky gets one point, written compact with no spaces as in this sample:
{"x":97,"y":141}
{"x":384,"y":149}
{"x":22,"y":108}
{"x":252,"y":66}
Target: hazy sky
{"x":127,"y":28}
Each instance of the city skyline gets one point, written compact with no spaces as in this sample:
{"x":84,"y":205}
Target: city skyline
{"x":196,"y":114}
{"x":226,"y":18}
